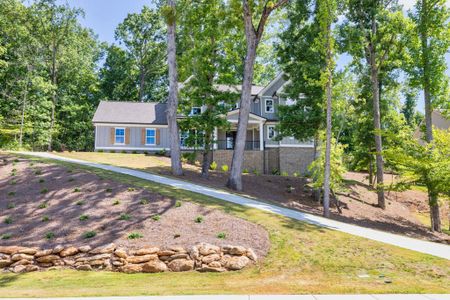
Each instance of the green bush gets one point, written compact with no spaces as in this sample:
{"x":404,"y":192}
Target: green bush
{"x":125,"y":217}
{"x":11,"y":205}
{"x":76,"y":190}
{"x":178,"y":203}
{"x":213,"y":166}
{"x":130,"y":189}
{"x":13,"y":182}
{"x":245,"y":171}
{"x":134,"y":152}
{"x":42,"y":205}
{"x":296,"y":174}
{"x":162,"y":152}
{"x":225,"y":168}
{"x":11,"y":194}
{"x":156,"y":217}
{"x":8,"y":220}
{"x":116,"y":202}
{"x":189,"y":157}
{"x":144,"y":201}
{"x":44,"y":191}
{"x":42,"y":180}
{"x":222,"y":235}
{"x":89,"y":234}
{"x":284,"y":174}
{"x":80,"y":202}
{"x":256,"y":172}
{"x":6,"y":236}
{"x":198,"y":219}
{"x":45,"y":219}
{"x":100,"y":151}
{"x":275,"y":172}
{"x":123,"y":151}
{"x":135,"y":235}
{"x":38,"y":172}
{"x":108,"y":190}
{"x":83,"y":218}
{"x":112,"y":151}
{"x":50,"y":235}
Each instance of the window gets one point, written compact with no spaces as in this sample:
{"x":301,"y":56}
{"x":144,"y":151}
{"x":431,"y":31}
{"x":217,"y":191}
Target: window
{"x":269,"y":106}
{"x":195,"y":111}
{"x":183,"y":138}
{"x":150,"y":136}
{"x":120,"y":136}
{"x":271,"y":131}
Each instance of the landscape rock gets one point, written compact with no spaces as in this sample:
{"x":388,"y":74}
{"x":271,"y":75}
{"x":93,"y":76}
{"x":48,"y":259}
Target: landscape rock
{"x":207,"y":249}
{"x":19,"y":269}
{"x":155,"y":266}
{"x":178,"y":256}
{"x":141,"y":259}
{"x":211,"y":269}
{"x":29,"y":251}
{"x":103,"y":249}
{"x":166,"y":253}
{"x":21,"y":256}
{"x":43,"y":252}
{"x":131,"y":268}
{"x":84,"y":268}
{"x":47,"y":258}
{"x":236,"y":250}
{"x":210,"y":258}
{"x":84,"y":249}
{"x":252,"y":255}
{"x":145,"y":251}
{"x":236,"y":262}
{"x":5,"y":263}
{"x":68,"y":252}
{"x":122,"y":253}
{"x":58,"y":249}
{"x":31,"y":268}
{"x":181,"y":265}
{"x":22,"y":262}
{"x":10,"y":249}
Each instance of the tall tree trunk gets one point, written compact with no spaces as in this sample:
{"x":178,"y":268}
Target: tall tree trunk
{"x":316,"y":191}
{"x":141,"y":84}
{"x":22,"y":119}
{"x":206,"y":154}
{"x":54,"y":97}
{"x":326,"y":182}
{"x":172,"y":105}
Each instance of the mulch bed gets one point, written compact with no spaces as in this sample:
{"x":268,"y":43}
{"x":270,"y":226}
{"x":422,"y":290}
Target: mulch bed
{"x":41,"y":205}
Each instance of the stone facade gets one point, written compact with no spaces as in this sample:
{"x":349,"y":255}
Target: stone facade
{"x":295,"y":159}
{"x":253,"y":160}
{"x":202,"y":257}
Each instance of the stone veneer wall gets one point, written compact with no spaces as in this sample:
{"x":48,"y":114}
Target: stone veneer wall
{"x":202,"y":257}
{"x":253,"y":160}
{"x":295,"y":159}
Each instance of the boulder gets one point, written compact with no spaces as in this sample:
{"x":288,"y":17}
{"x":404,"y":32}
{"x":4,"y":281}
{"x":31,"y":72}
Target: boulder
{"x":155,"y":266}
{"x":5,"y":263}
{"x":43,"y":252}
{"x":251,"y":254}
{"x":146,"y":251}
{"x":122,"y":253}
{"x":31,"y":268}
{"x":97,"y":262}
{"x":178,"y":256}
{"x":210,"y":258}
{"x":180,"y":265}
{"x":84,"y":268}
{"x":20,"y":256}
{"x":177,"y":249}
{"x":207,"y":249}
{"x":85,"y":249}
{"x":48,"y":258}
{"x":103,"y":249}
{"x":22,"y":262}
{"x":236,"y":262}
{"x":235,"y":250}
{"x":69,"y":262}
{"x":68,"y":252}
{"x":58,"y":249}
{"x":166,"y":253}
{"x":29,"y":251}
{"x":214,"y":264}
{"x":131,"y":268}
{"x":206,"y":268}
{"x":194,"y":253}
{"x":10,"y":249}
{"x":141,"y":259}
{"x":19,"y":269}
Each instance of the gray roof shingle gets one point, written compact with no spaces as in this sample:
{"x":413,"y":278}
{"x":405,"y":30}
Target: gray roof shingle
{"x":131,"y":112}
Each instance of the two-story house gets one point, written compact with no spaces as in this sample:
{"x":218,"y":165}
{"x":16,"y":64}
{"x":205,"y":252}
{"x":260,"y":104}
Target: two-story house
{"x":135,"y":126}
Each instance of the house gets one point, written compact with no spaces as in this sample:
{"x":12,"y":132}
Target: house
{"x":437,"y":120}
{"x":135,"y":126}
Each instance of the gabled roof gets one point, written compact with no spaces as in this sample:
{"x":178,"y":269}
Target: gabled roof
{"x":131,"y":112}
{"x":256,"y":89}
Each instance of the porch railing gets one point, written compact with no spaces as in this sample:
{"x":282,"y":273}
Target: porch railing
{"x":229,"y":145}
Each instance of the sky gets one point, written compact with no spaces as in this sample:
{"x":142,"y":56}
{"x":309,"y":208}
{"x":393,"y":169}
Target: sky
{"x":103,"y":16}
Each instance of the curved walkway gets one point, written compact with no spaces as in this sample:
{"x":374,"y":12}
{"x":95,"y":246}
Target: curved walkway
{"x":426,"y":247}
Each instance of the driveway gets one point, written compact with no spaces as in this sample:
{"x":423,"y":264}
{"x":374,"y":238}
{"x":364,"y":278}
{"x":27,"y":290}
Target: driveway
{"x":436,"y":249}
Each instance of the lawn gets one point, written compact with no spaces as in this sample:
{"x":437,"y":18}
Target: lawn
{"x":303,"y":259}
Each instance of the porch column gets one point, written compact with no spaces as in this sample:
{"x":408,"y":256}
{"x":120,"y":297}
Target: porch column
{"x":215,"y":135}
{"x":261,"y":136}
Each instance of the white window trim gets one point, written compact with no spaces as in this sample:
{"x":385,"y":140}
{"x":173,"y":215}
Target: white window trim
{"x":268,"y":132}
{"x":150,"y":128}
{"x":265,"y":106}
{"x":124,"y":135}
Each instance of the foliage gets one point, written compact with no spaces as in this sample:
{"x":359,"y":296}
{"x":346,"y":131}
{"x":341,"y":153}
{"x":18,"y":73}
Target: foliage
{"x":213,"y":166}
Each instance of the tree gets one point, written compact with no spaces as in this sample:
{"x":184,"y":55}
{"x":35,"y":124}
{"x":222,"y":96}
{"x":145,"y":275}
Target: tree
{"x":426,"y":165}
{"x":371,"y":32}
{"x":253,"y":37}
{"x":143,"y":36}
{"x":204,"y":30}
{"x":429,"y":41}
{"x":170,"y":14}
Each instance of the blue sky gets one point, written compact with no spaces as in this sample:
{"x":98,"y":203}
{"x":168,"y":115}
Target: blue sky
{"x":103,"y":16}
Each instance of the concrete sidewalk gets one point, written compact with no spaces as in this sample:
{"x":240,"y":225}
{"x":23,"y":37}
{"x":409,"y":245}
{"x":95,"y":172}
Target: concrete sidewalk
{"x":436,"y":249}
{"x":270,"y":297}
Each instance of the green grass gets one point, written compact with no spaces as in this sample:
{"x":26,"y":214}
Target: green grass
{"x":156,"y":217}
{"x":89,"y":234}
{"x":83,"y":218}
{"x":135,"y":235}
{"x":303,"y":259}
{"x":5,"y":236}
{"x":125,"y":217}
{"x":50,"y":235}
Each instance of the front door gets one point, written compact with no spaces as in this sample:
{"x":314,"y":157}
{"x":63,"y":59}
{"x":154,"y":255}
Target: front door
{"x":230,"y":138}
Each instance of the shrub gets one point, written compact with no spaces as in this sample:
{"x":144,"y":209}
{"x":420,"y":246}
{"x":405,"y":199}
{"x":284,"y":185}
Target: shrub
{"x":42,"y":180}
{"x":275,"y":172}
{"x":189,"y":157}
{"x":245,"y":171}
{"x":100,"y":151}
{"x":31,"y":164}
{"x":16,"y":160}
{"x":42,"y":205}
{"x":50,"y":235}
{"x":197,"y":163}
{"x":222,"y":235}
{"x":89,"y":234}
{"x":162,"y":152}
{"x":116,"y":202}
{"x":198,"y":219}
{"x":135,"y":235}
{"x":8,"y":220}
{"x":296,"y":174}
{"x":44,"y":191}
{"x":6,"y":236}
{"x":112,"y":151}
{"x":125,"y":217}
{"x":225,"y":168}
{"x":11,"y":205}
{"x":213,"y":166}
{"x":144,"y":201}
{"x":178,"y":203}
{"x":156,"y":217}
{"x":145,"y":152}
{"x":256,"y":172}
{"x":285,"y":174}
{"x":11,"y":194}
{"x":108,"y":190}
{"x":123,"y":151}
{"x":130,"y":189}
{"x":134,"y":152}
{"x":38,"y":172}
{"x":76,"y":190}
{"x":71,"y":179}
{"x":69,"y":171}
{"x":80,"y":202}
{"x":45,"y":219}
{"x":83,"y":217}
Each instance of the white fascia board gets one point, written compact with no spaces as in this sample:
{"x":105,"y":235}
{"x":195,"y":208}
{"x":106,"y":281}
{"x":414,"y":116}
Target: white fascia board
{"x":130,"y":125}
